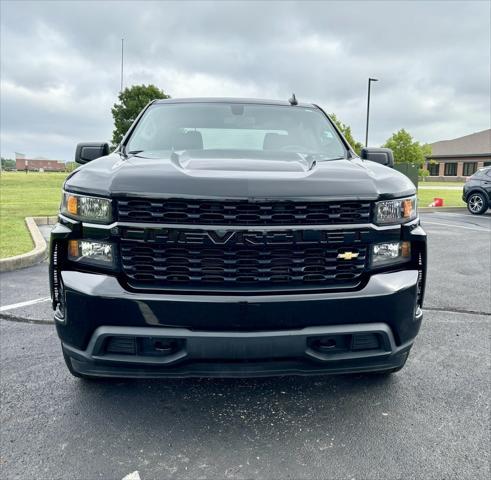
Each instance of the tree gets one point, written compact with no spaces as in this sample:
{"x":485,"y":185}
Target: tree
{"x":131,"y":102}
{"x":406,"y":150}
{"x":71,"y":166}
{"x":8,"y":163}
{"x":423,"y":173}
{"x":346,"y":131}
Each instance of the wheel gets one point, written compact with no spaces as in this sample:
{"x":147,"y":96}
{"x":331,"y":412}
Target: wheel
{"x":477,"y":203}
{"x":68,"y":362}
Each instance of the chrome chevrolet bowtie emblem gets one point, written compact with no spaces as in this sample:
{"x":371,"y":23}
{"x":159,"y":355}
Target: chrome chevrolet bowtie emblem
{"x":348,"y":255}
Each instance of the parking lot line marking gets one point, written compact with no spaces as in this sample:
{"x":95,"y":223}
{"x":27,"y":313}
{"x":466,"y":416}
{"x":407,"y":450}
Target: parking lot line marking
{"x":132,"y":476}
{"x":23,"y":304}
{"x":464,"y":214}
{"x":467,"y":216}
{"x":456,"y":226}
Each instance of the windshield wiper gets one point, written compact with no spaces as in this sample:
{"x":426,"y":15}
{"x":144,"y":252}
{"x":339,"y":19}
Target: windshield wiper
{"x":126,"y":154}
{"x":122,"y":151}
{"x":328,"y":159}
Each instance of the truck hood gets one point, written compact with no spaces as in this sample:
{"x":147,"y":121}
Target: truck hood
{"x":233,"y":174}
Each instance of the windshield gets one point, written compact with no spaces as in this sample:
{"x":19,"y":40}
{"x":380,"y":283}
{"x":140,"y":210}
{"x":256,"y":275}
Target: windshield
{"x":233,"y":126}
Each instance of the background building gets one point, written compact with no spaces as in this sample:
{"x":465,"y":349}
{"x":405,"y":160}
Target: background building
{"x":37,"y":164}
{"x":461,"y":157}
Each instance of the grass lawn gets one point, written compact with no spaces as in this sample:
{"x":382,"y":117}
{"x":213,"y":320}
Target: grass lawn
{"x":25,"y":195}
{"x":451,"y":198}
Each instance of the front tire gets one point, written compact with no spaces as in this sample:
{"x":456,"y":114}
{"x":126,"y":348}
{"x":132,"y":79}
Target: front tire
{"x":477,"y":203}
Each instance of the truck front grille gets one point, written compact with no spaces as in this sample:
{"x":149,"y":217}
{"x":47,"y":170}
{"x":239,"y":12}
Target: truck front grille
{"x":242,"y":212}
{"x":198,"y":259}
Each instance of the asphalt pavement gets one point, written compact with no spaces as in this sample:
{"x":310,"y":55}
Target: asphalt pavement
{"x":431,"y":420}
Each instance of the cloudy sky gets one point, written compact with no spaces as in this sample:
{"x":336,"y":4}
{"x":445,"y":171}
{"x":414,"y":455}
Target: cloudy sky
{"x":60,"y":63}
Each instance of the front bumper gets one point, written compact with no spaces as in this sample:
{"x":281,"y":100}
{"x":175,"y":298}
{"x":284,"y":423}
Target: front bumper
{"x":238,"y":354}
{"x":238,"y":335}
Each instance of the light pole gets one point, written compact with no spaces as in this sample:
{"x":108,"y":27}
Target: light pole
{"x":122,"y":59}
{"x":370,"y":80}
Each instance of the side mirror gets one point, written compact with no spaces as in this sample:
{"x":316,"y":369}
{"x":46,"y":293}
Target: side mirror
{"x":384,"y":156}
{"x":86,"y":152}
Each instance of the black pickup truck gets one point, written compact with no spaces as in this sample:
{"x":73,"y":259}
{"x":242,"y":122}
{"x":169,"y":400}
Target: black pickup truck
{"x":232,"y":237}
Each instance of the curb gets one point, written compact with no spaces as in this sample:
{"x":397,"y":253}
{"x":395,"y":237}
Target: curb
{"x":37,"y":254}
{"x":33,"y":321}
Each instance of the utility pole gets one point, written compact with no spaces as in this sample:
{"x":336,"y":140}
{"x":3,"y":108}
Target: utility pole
{"x":122,"y":61}
{"x":370,"y":80}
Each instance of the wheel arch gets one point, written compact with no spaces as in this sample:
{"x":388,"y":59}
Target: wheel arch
{"x":477,"y":189}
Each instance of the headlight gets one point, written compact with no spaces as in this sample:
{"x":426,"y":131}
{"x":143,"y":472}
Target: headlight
{"x":389,"y":253}
{"x":81,"y":207}
{"x":100,"y":254}
{"x":395,"y":211}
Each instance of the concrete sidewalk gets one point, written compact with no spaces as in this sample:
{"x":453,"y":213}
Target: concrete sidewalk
{"x":443,"y":187}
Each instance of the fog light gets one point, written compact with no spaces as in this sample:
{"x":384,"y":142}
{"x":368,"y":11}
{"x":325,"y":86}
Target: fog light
{"x":91,"y":253}
{"x":390,"y":253}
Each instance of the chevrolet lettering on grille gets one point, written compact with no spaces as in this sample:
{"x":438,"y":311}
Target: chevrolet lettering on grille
{"x":234,"y":237}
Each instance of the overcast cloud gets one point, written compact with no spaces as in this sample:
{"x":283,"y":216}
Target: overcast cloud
{"x":60,"y":63}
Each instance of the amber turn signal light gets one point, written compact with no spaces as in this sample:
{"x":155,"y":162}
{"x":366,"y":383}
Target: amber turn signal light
{"x":406,"y":249}
{"x":407,"y":208}
{"x":72,"y":205}
{"x":73,"y":248}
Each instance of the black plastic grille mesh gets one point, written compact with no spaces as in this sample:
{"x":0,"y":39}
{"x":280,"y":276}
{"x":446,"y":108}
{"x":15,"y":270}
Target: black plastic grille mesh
{"x":194,"y":260}
{"x":242,"y":212}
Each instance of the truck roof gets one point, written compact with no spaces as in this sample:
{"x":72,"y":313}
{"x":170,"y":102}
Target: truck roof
{"x":255,"y":101}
